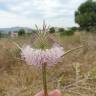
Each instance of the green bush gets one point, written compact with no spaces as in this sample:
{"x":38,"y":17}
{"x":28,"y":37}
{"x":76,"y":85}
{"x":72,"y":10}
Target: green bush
{"x":52,"y":30}
{"x":0,"y":34}
{"x":68,"y":32}
{"x":74,"y":28}
{"x":61,"y":29}
{"x":21,"y":32}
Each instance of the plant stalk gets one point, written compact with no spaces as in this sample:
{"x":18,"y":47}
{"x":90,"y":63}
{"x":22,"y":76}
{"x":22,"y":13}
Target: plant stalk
{"x":44,"y":65}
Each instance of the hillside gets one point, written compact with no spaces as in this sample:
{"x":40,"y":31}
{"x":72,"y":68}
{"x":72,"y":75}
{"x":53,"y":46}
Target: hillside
{"x":14,"y":29}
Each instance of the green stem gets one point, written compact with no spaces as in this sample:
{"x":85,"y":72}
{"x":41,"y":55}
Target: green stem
{"x":44,"y":65}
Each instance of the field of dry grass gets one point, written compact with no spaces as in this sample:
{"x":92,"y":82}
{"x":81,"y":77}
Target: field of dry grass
{"x":74,"y":76}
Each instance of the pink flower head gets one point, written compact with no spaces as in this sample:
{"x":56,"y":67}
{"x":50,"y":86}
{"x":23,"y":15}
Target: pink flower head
{"x":38,"y":56}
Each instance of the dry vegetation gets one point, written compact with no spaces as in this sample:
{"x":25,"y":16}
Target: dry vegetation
{"x":74,"y":76}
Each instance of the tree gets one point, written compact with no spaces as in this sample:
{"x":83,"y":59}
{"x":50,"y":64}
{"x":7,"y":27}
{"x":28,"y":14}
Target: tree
{"x":85,"y":16}
{"x":52,"y":30}
{"x":21,"y":32}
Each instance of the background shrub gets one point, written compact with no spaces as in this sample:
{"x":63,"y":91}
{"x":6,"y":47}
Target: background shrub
{"x":68,"y":32}
{"x":52,"y":30}
{"x":21,"y":32}
{"x":61,"y":29}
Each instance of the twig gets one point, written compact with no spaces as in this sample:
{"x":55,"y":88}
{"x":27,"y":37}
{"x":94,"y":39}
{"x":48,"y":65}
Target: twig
{"x":69,"y":51}
{"x":86,"y":89}
{"x":68,"y":86}
{"x":74,"y":92}
{"x":18,"y":59}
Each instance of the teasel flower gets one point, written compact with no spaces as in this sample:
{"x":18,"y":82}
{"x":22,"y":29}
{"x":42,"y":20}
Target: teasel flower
{"x":44,"y":49}
{"x":44,"y":52}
